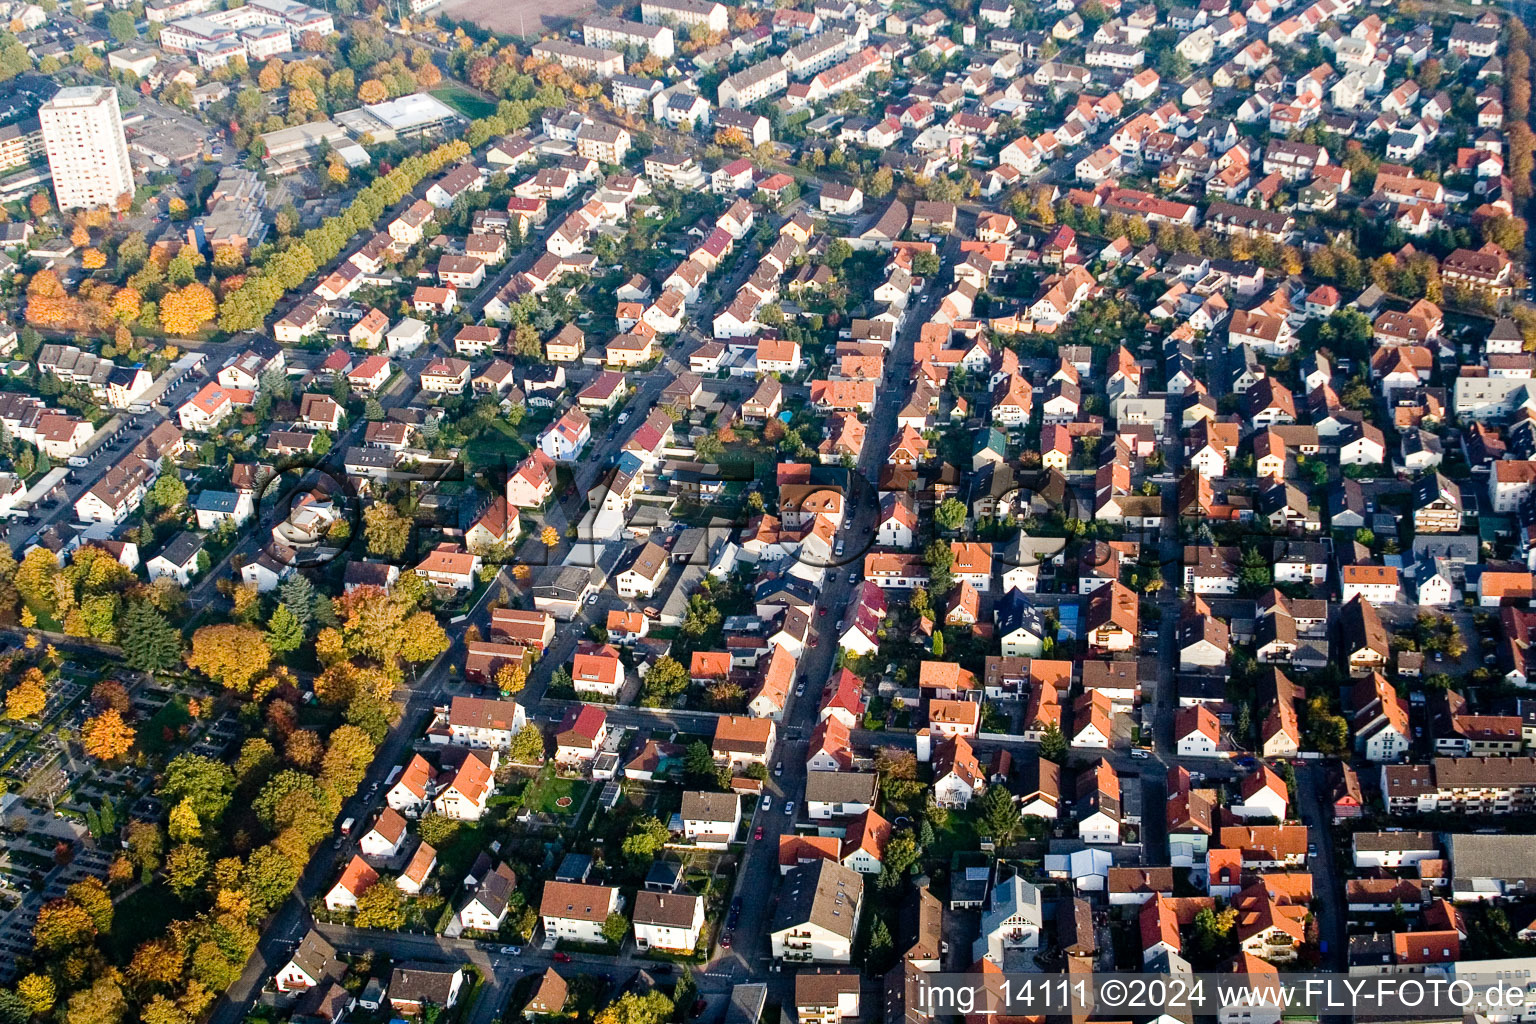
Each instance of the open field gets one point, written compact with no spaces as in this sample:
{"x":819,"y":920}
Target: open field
{"x":521,"y":17}
{"x":465,"y":102}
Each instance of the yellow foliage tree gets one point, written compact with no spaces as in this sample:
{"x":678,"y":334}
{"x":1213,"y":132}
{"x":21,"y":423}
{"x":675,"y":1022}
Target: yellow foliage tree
{"x":79,"y":236}
{"x":230,"y":654}
{"x":372,"y":91}
{"x":187,"y":310}
{"x":550,"y":536}
{"x":126,"y":303}
{"x":228,"y":257}
{"x":38,"y":992}
{"x":93,"y":259}
{"x":28,"y":697}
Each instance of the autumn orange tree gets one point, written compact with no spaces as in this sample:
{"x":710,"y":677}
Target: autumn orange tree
{"x":93,"y":259}
{"x":186,"y":310}
{"x":107,"y":737}
{"x":48,"y":304}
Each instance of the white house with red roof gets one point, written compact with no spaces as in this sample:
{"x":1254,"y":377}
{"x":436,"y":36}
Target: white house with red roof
{"x":357,"y":879}
{"x":213,"y":401}
{"x":566,"y":438}
{"x":844,"y":699}
{"x":499,"y":524}
{"x":412,"y":792}
{"x":532,"y":482}
{"x":581,"y":735}
{"x":371,"y":374}
{"x":386,"y":837}
{"x":468,"y":790}
{"x":450,"y":567}
{"x":860,"y":632}
{"x":1196,"y":732}
{"x":1264,"y":796}
{"x":596,"y":669}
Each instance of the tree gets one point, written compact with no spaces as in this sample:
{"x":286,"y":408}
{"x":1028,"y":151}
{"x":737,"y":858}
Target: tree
{"x":186,"y":310}
{"x":107,"y":737}
{"x":182,"y":824}
{"x":185,"y":868}
{"x":268,"y":878}
{"x":163,"y":1010}
{"x":145,"y":845}
{"x":102,"y":1003}
{"x":110,"y":693}
{"x":121,"y":26}
{"x":615,"y":925}
{"x":156,"y":962}
{"x":380,"y":906}
{"x":1254,"y":572}
{"x":284,"y":634}
{"x":940,"y":559}
{"x":1327,"y":733}
{"x":699,"y":762}
{"x":938,"y":643}
{"x":303,"y":748}
{"x":149,"y":642}
{"x":28,"y":698}
{"x":386,"y":531}
{"x":550,"y":536}
{"x":1212,"y":931}
{"x":256,"y":762}
{"x":1000,"y":815}
{"x":207,"y":785}
{"x":230,"y":654}
{"x":950,"y":514}
{"x":298,"y":594}
{"x":62,"y":924}
{"x":372,"y":91}
{"x":422,"y":638}
{"x":169,"y":492}
{"x":1053,"y":744}
{"x":666,"y":681}
{"x":653,"y":1007}
{"x":511,"y":678}
{"x":527,"y":746}
{"x":644,"y":839}
{"x":39,"y":993}
{"x":438,"y":831}
{"x":901,"y":853}
{"x":347,"y":755}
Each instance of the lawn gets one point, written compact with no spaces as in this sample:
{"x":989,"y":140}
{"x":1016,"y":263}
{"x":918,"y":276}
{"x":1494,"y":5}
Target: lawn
{"x":548,"y":791}
{"x":499,"y":445}
{"x":465,"y":102}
